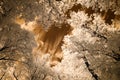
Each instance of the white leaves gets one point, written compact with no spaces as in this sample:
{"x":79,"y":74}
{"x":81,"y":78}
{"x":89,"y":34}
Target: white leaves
{"x":78,"y":18}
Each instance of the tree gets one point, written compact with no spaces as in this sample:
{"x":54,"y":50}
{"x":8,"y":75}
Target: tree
{"x":59,"y":39}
